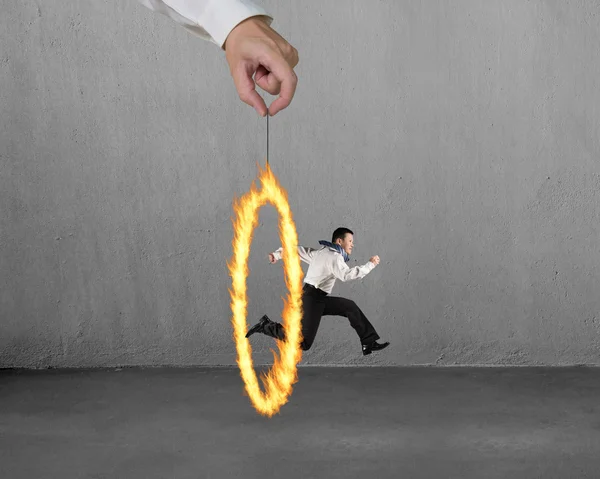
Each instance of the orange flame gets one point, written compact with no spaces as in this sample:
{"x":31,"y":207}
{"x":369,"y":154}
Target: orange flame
{"x":279,"y":380}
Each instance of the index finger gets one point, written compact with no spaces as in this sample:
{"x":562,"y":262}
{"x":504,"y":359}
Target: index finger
{"x":288,"y":79}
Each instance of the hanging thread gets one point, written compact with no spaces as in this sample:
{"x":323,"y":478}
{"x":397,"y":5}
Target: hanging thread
{"x":267,"y":137}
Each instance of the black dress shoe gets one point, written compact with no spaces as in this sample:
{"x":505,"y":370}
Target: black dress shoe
{"x":258,"y":327}
{"x":374,"y":346}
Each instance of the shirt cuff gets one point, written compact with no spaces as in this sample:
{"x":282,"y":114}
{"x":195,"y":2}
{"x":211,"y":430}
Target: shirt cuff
{"x":222,"y":16}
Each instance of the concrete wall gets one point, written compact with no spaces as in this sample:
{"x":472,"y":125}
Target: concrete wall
{"x":459,"y":140}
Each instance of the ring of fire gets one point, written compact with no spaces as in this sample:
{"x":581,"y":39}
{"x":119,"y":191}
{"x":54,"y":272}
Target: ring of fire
{"x":279,"y":380}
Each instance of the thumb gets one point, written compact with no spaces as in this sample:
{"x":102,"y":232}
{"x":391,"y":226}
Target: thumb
{"x":244,"y":84}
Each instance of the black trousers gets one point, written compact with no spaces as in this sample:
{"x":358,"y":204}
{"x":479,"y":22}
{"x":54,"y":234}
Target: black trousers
{"x":316,"y":303}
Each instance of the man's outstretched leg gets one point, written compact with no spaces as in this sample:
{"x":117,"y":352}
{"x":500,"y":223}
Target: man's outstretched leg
{"x":336,"y":306}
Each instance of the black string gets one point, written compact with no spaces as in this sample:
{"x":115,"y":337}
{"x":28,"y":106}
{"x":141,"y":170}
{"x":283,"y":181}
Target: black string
{"x":267,"y":137}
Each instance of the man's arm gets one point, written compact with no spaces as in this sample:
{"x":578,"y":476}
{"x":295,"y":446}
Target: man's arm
{"x":306,"y":254}
{"x":344,"y":273}
{"x":211,"y":20}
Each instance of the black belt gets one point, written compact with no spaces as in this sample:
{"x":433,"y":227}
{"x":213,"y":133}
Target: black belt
{"x":310,"y":287}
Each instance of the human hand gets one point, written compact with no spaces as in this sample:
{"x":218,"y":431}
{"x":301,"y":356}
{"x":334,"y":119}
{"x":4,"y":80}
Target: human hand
{"x":254,"y":48}
{"x":375,"y":260}
{"x":272,"y":258}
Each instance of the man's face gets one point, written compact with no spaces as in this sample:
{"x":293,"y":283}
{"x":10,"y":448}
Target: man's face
{"x":347,"y":243}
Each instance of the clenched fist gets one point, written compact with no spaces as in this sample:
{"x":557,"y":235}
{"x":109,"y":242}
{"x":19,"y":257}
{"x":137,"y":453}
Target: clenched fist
{"x":375,"y":260}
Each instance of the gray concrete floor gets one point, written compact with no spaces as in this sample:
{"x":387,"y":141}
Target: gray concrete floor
{"x":339,"y":423}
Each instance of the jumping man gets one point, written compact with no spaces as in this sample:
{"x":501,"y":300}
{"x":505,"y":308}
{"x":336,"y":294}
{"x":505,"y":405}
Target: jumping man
{"x":327,"y":264}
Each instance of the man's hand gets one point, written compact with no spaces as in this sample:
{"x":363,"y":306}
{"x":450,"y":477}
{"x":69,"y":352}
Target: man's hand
{"x":375,"y":260}
{"x":254,"y":48}
{"x":272,"y":258}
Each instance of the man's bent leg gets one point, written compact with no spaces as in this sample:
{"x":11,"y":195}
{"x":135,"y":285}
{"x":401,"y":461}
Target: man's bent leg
{"x":313,"y":305}
{"x":312,"y":310}
{"x":275,"y":330}
{"x":336,"y":306}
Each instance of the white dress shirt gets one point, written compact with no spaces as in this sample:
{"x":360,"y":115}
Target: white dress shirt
{"x":327,"y":265}
{"x":211,"y":20}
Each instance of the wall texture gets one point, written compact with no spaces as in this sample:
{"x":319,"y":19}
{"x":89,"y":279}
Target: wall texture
{"x":459,"y":140}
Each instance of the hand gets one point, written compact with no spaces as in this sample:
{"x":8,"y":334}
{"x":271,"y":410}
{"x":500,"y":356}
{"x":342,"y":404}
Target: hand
{"x":375,"y":260}
{"x":272,"y":258}
{"x":254,"y":48}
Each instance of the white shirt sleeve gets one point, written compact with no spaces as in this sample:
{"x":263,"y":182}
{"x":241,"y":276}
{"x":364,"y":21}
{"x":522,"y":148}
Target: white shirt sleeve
{"x":211,"y":20}
{"x":306,"y":254}
{"x":344,"y":273}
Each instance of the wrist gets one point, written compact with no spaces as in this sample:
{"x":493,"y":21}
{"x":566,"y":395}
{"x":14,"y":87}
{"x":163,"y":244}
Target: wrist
{"x":221,"y":17}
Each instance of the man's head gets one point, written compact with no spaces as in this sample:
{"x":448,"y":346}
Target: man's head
{"x":345,"y":238}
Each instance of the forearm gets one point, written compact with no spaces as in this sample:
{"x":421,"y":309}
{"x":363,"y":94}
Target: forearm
{"x":304,"y":253}
{"x":211,"y":20}
{"x":345,"y":273}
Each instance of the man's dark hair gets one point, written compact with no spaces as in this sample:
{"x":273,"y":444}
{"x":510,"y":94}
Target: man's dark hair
{"x":340,"y":233}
